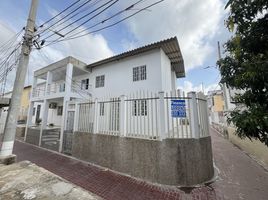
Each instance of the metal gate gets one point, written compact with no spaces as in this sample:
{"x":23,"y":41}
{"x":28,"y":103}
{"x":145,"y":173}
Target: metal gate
{"x":68,"y":133}
{"x":70,"y":121}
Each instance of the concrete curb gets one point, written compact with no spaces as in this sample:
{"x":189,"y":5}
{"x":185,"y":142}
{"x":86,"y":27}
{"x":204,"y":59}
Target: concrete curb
{"x":204,"y":184}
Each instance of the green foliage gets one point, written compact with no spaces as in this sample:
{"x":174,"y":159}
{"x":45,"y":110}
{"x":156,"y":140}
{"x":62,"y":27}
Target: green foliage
{"x":245,"y":66}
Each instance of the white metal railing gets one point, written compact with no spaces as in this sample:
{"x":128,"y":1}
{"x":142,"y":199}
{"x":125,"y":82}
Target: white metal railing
{"x":55,"y":88}
{"x":146,"y":115}
{"x":39,"y":91}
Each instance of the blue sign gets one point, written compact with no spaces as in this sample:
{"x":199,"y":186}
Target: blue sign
{"x":178,"y":108}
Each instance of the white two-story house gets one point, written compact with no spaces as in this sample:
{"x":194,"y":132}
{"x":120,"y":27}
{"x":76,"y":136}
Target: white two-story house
{"x":154,"y":67}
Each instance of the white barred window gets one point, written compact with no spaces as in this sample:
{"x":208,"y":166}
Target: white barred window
{"x":139,"y":73}
{"x":100,"y":81}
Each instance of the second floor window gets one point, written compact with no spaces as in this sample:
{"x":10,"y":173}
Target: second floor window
{"x":85,"y":84}
{"x":139,"y":73}
{"x":100,"y":81}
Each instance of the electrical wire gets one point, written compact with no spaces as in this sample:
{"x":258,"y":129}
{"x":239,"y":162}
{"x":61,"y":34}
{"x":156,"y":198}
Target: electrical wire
{"x":86,"y":15}
{"x":64,"y":10}
{"x":56,"y":23}
{"x":103,"y":28}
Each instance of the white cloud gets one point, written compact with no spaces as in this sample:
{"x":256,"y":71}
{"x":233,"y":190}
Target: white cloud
{"x":194,"y":22}
{"x":189,"y":87}
{"x":88,"y":49}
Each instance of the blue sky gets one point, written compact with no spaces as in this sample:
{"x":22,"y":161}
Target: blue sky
{"x":197,"y":24}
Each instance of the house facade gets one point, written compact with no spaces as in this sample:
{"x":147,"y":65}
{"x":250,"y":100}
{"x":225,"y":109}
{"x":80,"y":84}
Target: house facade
{"x":153,"y":68}
{"x":124,"y":113}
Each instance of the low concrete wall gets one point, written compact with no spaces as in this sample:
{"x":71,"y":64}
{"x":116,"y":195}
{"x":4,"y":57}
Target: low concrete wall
{"x":254,"y":147}
{"x":171,"y":161}
{"x":33,"y":136}
{"x":20,"y":132}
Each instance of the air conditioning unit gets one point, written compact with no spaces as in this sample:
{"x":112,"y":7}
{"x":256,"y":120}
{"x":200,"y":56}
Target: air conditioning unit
{"x":53,"y":105}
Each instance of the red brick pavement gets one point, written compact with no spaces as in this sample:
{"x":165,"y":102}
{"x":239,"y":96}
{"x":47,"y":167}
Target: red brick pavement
{"x":240,"y":176}
{"x":105,"y":183}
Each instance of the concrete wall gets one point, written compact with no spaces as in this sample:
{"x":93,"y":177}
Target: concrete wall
{"x":171,"y":161}
{"x":33,"y":136}
{"x":255,"y":148}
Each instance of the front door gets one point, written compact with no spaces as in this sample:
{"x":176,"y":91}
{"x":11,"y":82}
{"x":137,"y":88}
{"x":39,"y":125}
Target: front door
{"x":38,"y":110}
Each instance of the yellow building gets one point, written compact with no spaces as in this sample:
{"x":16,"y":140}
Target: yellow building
{"x":24,"y":103}
{"x":217,"y":102}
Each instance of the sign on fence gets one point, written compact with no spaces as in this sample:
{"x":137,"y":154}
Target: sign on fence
{"x":178,"y":108}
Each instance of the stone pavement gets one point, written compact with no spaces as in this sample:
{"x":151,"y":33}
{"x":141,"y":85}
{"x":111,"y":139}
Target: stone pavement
{"x":25,"y":180}
{"x":240,"y":176}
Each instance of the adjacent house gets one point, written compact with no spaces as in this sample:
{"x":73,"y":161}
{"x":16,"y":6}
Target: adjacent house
{"x":24,"y":106}
{"x":216,"y":106}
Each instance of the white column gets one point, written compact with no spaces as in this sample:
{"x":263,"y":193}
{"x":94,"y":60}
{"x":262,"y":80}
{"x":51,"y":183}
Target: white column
{"x":48,"y":83}
{"x":68,"y":79}
{"x":161,"y":114}
{"x":29,"y":118}
{"x":63,"y":121}
{"x":123,"y":116}
{"x":96,"y":117}
{"x":194,"y":123}
{"x":44,"y":119}
{"x":76,"y":116}
{"x":68,"y":88}
{"x":33,"y":92}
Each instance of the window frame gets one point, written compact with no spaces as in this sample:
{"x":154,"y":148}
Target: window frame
{"x":139,"y":73}
{"x":99,"y":81}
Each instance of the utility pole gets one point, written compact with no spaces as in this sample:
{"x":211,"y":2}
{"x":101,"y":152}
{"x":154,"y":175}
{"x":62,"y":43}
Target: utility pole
{"x":11,"y":121}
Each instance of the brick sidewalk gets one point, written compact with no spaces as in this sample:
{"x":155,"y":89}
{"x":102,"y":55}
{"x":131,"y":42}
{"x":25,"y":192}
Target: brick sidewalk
{"x":240,"y":176}
{"x":104,"y":183}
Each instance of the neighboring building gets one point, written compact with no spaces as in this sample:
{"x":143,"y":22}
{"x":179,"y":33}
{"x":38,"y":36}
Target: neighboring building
{"x":24,"y":106}
{"x":216,"y":106}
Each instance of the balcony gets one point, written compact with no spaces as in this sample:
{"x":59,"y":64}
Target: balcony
{"x":55,"y":90}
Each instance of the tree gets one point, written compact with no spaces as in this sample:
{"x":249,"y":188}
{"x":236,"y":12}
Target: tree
{"x":245,"y":67}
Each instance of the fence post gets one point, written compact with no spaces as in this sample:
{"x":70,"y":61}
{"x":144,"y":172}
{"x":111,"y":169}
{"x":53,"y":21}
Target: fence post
{"x":96,"y":117}
{"x":161,"y":114}
{"x":122,"y":116}
{"x":194,"y":115}
{"x":76,"y":116}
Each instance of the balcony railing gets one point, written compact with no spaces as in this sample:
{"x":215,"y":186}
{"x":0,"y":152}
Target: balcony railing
{"x":39,"y":91}
{"x":57,"y":88}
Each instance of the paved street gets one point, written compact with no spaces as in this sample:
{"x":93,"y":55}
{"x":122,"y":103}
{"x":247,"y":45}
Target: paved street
{"x":240,"y":176}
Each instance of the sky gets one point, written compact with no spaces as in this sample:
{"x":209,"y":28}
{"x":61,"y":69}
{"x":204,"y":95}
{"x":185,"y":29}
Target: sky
{"x":197,"y":24}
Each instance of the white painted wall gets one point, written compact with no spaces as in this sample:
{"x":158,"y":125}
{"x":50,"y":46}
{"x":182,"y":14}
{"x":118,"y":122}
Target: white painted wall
{"x":119,"y":75}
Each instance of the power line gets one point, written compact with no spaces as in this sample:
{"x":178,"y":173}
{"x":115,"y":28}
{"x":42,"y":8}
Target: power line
{"x":64,"y":10}
{"x":56,"y":23}
{"x":103,"y":5}
{"x":109,"y":18}
{"x":108,"y":26}
{"x":11,"y":39}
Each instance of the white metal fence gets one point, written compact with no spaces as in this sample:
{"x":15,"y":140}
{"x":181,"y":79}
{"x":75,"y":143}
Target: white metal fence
{"x":145,"y":115}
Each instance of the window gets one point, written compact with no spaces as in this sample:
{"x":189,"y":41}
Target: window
{"x":62,"y":87}
{"x":101,"y":109}
{"x":139,"y":108}
{"x":100,"y":81}
{"x":59,"y":110}
{"x":34,"y":111}
{"x":139,"y":73}
{"x":85,"y":84}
